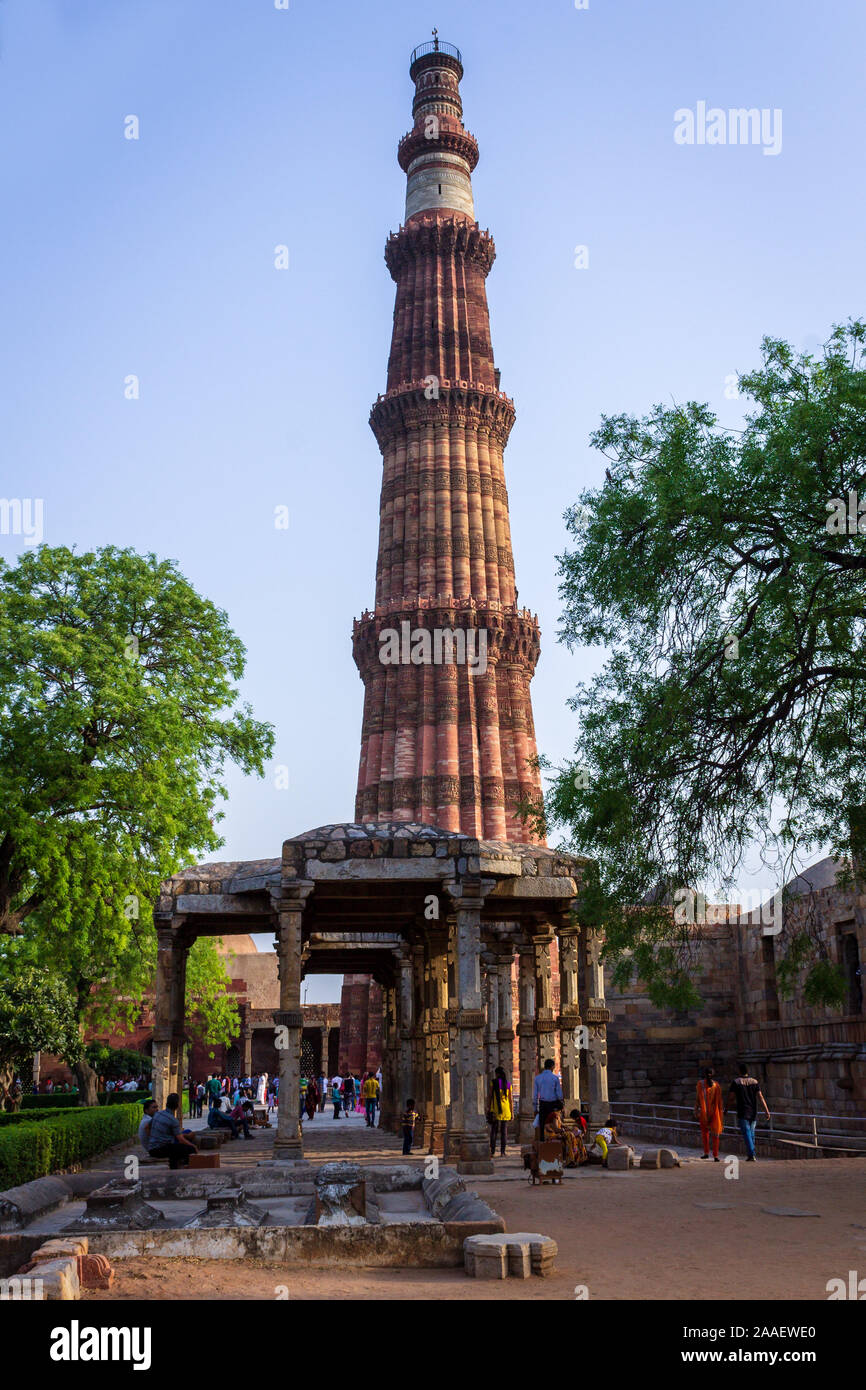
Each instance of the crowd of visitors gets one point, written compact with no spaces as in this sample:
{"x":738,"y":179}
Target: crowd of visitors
{"x":349,"y":1095}
{"x":744,"y":1095}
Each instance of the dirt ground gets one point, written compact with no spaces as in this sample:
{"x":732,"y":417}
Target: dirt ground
{"x":687,"y":1233}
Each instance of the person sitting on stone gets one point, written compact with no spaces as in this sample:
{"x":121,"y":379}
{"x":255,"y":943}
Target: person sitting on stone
{"x":573,"y":1150}
{"x":238,"y":1114}
{"x":149,"y":1109}
{"x":218,"y":1119}
{"x":166,"y":1140}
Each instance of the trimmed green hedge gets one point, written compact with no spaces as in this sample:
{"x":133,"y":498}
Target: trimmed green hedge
{"x":34,"y":1150}
{"x":65,"y":1100}
{"x":29,"y":1117}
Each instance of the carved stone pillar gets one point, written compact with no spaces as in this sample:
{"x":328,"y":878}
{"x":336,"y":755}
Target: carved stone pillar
{"x":421,"y":1087}
{"x":597,"y":1017}
{"x":168,"y":1035}
{"x":468,"y":1126}
{"x":388,"y":1103}
{"x":505,"y":1031}
{"x":545,"y":1019}
{"x":405,"y":1031}
{"x":178,"y":1018}
{"x":526,"y":1038}
{"x":490,"y":992}
{"x":289,"y":1022}
{"x":247,"y":1043}
{"x":438,"y":1052}
{"x":569,"y":1015}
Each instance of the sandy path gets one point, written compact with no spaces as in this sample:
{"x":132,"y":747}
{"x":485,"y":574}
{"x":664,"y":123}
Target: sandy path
{"x":638,"y":1235}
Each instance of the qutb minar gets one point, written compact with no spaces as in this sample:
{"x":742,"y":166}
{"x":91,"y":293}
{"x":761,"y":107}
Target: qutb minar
{"x":446,"y":742}
{"x":455,"y":930}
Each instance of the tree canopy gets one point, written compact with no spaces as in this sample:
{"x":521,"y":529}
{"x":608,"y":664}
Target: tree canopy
{"x":725,"y":571}
{"x":36,"y":1015}
{"x":119,"y":710}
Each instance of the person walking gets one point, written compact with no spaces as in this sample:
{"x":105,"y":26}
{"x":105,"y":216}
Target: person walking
{"x":323,"y":1091}
{"x":336,"y":1096}
{"x":370,"y":1093}
{"x":213,"y":1090}
{"x":546,"y":1094}
{"x":745,"y":1093}
{"x":500,"y":1109}
{"x":349,"y":1094}
{"x":709,"y":1112}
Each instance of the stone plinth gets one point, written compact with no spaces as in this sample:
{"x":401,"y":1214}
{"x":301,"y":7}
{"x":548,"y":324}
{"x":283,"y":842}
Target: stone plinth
{"x":229,"y":1208}
{"x":118,"y":1206}
{"x":517,"y":1254}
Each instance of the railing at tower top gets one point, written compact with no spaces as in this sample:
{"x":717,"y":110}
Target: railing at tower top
{"x":435,"y":47}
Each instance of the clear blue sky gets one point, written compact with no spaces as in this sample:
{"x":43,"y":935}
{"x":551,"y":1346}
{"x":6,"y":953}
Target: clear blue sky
{"x":261,"y":127}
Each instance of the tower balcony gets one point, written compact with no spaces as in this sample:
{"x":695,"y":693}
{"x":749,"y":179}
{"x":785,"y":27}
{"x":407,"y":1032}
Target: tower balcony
{"x":435,"y":53}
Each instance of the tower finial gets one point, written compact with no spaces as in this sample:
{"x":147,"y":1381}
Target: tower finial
{"x":436,"y":39}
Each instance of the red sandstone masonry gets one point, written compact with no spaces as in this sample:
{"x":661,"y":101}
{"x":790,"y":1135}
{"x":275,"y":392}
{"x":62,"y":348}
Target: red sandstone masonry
{"x":438,"y":745}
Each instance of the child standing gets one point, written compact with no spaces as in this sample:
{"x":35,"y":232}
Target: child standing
{"x":410,"y":1115}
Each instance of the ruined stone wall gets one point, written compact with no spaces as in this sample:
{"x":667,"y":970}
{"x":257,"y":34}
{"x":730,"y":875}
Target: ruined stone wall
{"x":810,"y":1058}
{"x":654,"y":1055}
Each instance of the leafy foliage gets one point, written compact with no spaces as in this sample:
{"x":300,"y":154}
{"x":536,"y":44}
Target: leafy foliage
{"x":33,"y":1150}
{"x":116,"y":1062}
{"x":36,"y":1015}
{"x":118,"y":713}
{"x":730,"y":709}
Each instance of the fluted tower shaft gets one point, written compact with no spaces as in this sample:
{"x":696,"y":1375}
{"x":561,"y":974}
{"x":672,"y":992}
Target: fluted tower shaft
{"x":447,"y":742}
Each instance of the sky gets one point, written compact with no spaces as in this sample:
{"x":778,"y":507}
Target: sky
{"x":154,"y":258}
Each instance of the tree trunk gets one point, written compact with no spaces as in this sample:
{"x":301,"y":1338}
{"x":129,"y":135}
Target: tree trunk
{"x":86,"y":1078}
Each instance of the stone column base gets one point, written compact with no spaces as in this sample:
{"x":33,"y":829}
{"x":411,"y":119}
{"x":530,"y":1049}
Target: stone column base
{"x":436,"y":1143}
{"x":477,"y":1166}
{"x":526,"y":1131}
{"x":288,"y":1148}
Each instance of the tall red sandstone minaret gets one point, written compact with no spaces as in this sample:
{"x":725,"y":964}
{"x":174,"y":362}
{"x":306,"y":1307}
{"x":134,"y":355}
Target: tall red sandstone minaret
{"x":444,"y":743}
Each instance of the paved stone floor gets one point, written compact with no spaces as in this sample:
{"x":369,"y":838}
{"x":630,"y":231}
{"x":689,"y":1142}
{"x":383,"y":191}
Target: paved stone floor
{"x":326,"y":1139}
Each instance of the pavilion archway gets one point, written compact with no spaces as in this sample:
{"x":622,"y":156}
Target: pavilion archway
{"x":437,"y":919}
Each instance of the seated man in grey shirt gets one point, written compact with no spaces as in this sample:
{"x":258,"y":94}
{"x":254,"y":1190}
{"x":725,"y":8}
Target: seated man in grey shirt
{"x":166,"y":1140}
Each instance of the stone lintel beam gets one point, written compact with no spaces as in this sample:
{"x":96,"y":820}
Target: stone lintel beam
{"x":197,"y":904}
{"x":535,"y":888}
{"x":380,"y":870}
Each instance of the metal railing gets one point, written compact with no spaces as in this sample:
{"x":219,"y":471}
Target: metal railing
{"x":832,"y":1131}
{"x":436,"y":46}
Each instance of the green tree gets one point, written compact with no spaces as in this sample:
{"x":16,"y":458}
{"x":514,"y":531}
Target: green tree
{"x":721,"y":570}
{"x":36,"y":1015}
{"x":118,"y":713}
{"x":116,"y":1062}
